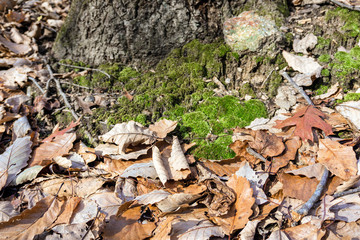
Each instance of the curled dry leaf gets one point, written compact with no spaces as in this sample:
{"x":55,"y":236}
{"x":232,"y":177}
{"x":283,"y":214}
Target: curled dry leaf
{"x":292,"y":145}
{"x":21,"y":127}
{"x":27,"y":175}
{"x":128,"y":133}
{"x":339,"y":159}
{"x":175,"y":167}
{"x":15,"y":48}
{"x":241,"y":210}
{"x":14,"y":159}
{"x":310,"y":230}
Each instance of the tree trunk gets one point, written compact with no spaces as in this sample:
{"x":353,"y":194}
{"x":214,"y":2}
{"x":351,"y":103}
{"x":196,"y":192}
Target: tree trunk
{"x":142,"y":32}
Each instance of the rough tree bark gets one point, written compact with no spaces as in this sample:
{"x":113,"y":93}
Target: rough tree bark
{"x":139,"y":32}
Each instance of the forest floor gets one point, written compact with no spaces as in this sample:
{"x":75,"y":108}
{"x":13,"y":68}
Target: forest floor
{"x":287,"y":169}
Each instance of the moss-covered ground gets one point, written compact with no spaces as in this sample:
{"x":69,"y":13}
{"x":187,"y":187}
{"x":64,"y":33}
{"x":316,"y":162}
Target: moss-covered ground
{"x":176,"y":89}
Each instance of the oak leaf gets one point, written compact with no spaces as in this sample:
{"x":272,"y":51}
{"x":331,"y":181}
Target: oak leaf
{"x":305,"y":119}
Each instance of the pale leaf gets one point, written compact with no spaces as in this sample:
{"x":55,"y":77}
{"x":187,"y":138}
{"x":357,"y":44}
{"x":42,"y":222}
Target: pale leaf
{"x":257,"y":181}
{"x":7,"y":211}
{"x":351,"y":111}
{"x":125,"y":134}
{"x":145,"y":170}
{"x":14,"y":159}
{"x":174,"y":201}
{"x":179,"y":167}
{"x":203,"y":231}
{"x":338,"y":159}
{"x":312,"y":171}
{"x":21,"y":127}
{"x":68,"y":212}
{"x":308,"y":231}
{"x":70,"y":231}
{"x":85,"y":211}
{"x":27,"y":175}
{"x":152,"y":197}
{"x":163,"y":127}
{"x":15,"y":77}
{"x":108,"y":202}
{"x":159,"y":165}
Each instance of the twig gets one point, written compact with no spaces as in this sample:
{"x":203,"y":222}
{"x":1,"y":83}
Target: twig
{"x":60,"y":91}
{"x":62,"y":94}
{"x":356,"y":8}
{"x":316,"y":195}
{"x":320,"y":187}
{"x":355,"y":190}
{"x":255,"y":154}
{"x":37,"y":85}
{"x":86,"y":68}
{"x":300,"y":90}
{"x":89,"y":228}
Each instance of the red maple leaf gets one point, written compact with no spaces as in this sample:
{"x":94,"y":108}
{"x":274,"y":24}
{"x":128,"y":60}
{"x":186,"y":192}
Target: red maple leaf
{"x":305,"y":119}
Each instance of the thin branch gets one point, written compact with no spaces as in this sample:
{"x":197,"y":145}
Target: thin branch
{"x":85,"y":68}
{"x":62,"y":94}
{"x":255,"y":154}
{"x":75,"y":85}
{"x":37,"y":85}
{"x":351,"y":191}
{"x":316,"y":195}
{"x":356,"y":8}
{"x":300,"y":90}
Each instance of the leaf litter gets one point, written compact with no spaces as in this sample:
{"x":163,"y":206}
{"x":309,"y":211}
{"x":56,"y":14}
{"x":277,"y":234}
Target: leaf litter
{"x":142,"y":184}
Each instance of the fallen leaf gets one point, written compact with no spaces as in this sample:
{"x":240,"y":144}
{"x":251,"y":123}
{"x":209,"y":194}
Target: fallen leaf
{"x":21,"y":127}
{"x":351,"y":111}
{"x":32,"y":221}
{"x":308,"y":42}
{"x":128,"y":133}
{"x":18,"y":49}
{"x":7,"y":211}
{"x":62,"y":132}
{"x":163,"y":127}
{"x":58,"y":147}
{"x":338,"y":159}
{"x":267,"y":144}
{"x":15,"y":102}
{"x":240,"y":212}
{"x":27,"y":175}
{"x":305,"y":119}
{"x":312,"y":171}
{"x":128,"y":226}
{"x":108,"y":203}
{"x":345,"y":230}
{"x":202,"y":231}
{"x":308,"y":231}
{"x":292,"y":145}
{"x":70,"y":205}
{"x":14,"y":159}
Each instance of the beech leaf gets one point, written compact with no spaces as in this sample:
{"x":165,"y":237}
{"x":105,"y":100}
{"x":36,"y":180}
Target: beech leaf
{"x":305,"y":119}
{"x":14,"y":159}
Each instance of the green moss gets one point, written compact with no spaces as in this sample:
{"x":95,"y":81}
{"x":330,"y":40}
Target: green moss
{"x":321,"y":89}
{"x":352,"y":97}
{"x":323,"y":43}
{"x":346,"y":64}
{"x":246,"y":89}
{"x":289,"y":38}
{"x":325,"y":58}
{"x":350,"y":18}
{"x":217,"y":116}
{"x":325,"y":72}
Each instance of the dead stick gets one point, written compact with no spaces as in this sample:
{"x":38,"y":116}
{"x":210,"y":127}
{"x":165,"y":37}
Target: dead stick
{"x":321,"y":186}
{"x":37,"y":85}
{"x":356,"y":8}
{"x":85,"y":68}
{"x":316,"y":195}
{"x":355,"y":190}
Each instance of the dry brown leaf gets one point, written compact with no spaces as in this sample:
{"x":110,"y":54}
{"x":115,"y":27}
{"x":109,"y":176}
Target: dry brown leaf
{"x":128,"y":226}
{"x":298,"y":187}
{"x":69,"y":187}
{"x":47,"y":151}
{"x":292,"y":145}
{"x":239,"y":148}
{"x":241,"y":210}
{"x":338,"y":159}
{"x":65,"y":216}
{"x":308,"y":231}
{"x":7,"y":211}
{"x":305,"y":119}
{"x":58,"y":132}
{"x":222,"y":168}
{"x":87,"y":153}
{"x":267,"y":144}
{"x":32,"y":221}
{"x":163,"y":127}
{"x":18,"y":49}
{"x":108,"y":202}
{"x":312,"y":171}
